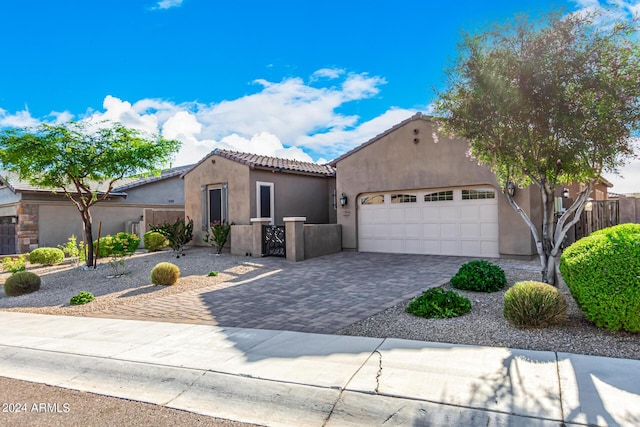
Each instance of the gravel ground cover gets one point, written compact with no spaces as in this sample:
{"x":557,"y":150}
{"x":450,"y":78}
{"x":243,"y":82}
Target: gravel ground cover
{"x":485,"y":324}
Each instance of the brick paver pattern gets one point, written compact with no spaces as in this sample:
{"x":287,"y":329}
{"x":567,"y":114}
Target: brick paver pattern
{"x":321,"y":295}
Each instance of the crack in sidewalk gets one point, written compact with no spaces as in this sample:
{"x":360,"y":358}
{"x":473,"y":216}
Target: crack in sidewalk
{"x":342,"y":389}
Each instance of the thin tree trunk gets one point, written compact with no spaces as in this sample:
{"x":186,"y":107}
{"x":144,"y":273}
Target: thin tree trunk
{"x":88,"y":236}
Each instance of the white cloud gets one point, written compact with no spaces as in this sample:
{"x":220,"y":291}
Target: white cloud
{"x":168,"y":4}
{"x":290,"y":119}
{"x":327,"y":73}
{"x":608,"y":11}
{"x":19,"y":119}
{"x":117,"y":110}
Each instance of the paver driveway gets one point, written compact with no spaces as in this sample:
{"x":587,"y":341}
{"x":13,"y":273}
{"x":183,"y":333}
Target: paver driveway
{"x":322,"y":295}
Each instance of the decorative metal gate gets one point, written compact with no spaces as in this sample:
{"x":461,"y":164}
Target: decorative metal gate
{"x":7,"y":237}
{"x":273,"y":241}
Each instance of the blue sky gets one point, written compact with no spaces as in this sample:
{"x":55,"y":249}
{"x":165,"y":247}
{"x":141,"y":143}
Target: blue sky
{"x":284,"y":78}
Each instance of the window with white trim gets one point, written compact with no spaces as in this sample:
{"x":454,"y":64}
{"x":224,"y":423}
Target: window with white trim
{"x":264,"y":201}
{"x":378,"y":199}
{"x":439,"y":196}
{"x":478,"y":194}
{"x":403,"y":198}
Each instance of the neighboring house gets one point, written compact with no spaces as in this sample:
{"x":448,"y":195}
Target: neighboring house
{"x":32,"y":217}
{"x":408,"y":193}
{"x":229,"y":186}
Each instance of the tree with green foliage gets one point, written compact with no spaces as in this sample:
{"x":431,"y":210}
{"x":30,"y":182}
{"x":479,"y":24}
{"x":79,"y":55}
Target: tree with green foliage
{"x":547,"y":103}
{"x":82,"y":160}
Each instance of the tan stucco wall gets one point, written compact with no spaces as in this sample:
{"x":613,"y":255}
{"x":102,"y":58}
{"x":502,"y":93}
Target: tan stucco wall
{"x":396,"y":162}
{"x":321,"y":239}
{"x":213,"y":171}
{"x":58,"y":222}
{"x":241,"y":240}
{"x":294,"y":196}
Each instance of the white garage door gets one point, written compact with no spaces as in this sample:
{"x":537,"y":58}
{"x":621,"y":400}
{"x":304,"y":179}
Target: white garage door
{"x":461,"y":221}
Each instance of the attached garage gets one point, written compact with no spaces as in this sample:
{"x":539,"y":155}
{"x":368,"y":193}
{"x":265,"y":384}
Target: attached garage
{"x":448,"y":221}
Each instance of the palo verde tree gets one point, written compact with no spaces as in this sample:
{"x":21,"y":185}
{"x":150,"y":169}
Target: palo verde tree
{"x":546,"y":102}
{"x":82,"y":160}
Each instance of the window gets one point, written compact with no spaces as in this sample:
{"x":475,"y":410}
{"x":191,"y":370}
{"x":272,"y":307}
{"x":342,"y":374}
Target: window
{"x":378,"y":199}
{"x":214,"y":204}
{"x":264,"y":200}
{"x":478,"y":194}
{"x":439,"y":196}
{"x":403,"y":198}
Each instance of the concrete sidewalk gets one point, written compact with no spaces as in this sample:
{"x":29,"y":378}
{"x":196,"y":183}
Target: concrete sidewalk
{"x":283,"y":378}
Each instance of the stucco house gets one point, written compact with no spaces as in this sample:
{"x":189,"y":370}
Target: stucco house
{"x":401,"y":192}
{"x":32,"y":217}
{"x":234,"y":187}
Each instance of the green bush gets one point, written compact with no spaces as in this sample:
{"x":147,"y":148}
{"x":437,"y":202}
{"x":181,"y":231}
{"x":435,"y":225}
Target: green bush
{"x":81,"y":298}
{"x":217,"y":235}
{"x":534,"y":305}
{"x":178,"y":234}
{"x":602,"y":272}
{"x":122,"y":244}
{"x":74,"y":249}
{"x":20,"y":283}
{"x":438,"y":303}
{"x":154,"y":241}
{"x":46,"y":256}
{"x":479,"y":276}
{"x":165,"y":273}
{"x":14,"y":265}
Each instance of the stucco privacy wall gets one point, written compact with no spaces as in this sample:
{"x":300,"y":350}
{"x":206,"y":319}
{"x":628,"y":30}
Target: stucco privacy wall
{"x":63,"y":221}
{"x":407,"y":158}
{"x":215,"y":170}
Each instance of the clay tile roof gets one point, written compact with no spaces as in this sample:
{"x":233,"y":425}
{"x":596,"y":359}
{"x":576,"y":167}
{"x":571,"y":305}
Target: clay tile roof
{"x":273,"y":163}
{"x":128,"y":183}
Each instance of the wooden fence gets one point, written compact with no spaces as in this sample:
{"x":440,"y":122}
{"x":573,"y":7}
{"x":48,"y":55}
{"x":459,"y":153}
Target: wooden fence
{"x":603,"y":214}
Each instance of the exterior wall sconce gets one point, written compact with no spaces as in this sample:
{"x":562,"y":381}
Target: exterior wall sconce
{"x":343,"y":200}
{"x":589,"y":206}
{"x":511,"y":189}
{"x":565,"y":193}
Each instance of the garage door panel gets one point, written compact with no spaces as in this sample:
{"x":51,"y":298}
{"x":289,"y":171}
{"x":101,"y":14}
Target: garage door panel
{"x":440,"y":227}
{"x":488,"y":230}
{"x":431,"y":214}
{"x":469,"y":212}
{"x":380,"y":215}
{"x":431,"y":247}
{"x":431,"y":230}
{"x":414,"y":246}
{"x":412,"y":230}
{"x":470,"y":231}
{"x":449,"y":247}
{"x":413,"y":215}
{"x":381,"y":230}
{"x":470,"y":248}
{"x":449,"y":230}
{"x":449,"y":213}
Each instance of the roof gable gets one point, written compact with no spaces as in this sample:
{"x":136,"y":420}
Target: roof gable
{"x":256,"y":161}
{"x":417,"y":116}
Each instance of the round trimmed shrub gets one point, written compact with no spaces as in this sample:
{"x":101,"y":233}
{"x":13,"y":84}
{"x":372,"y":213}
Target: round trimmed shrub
{"x":534,"y":305}
{"x":46,"y":256}
{"x":479,"y":276}
{"x":165,"y":273}
{"x":602,"y":272}
{"x":154,"y":241}
{"x":20,"y":283}
{"x":439,"y":303}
